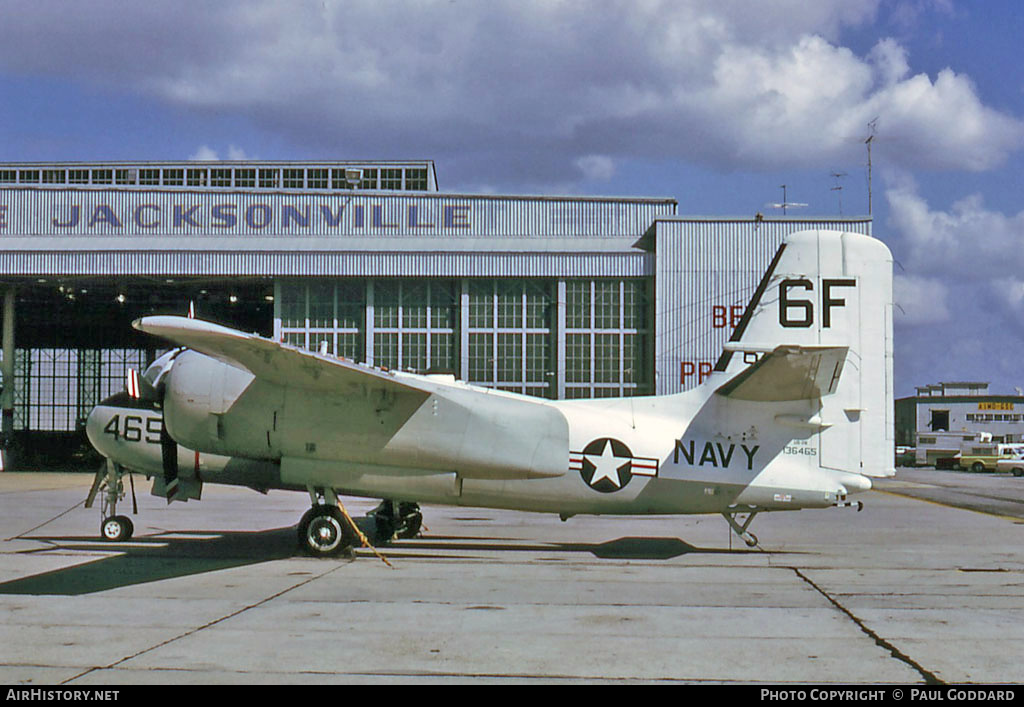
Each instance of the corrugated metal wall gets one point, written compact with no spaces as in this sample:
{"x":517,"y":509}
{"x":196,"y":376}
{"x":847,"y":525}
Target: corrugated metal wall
{"x":85,"y":212}
{"x":115,"y":232}
{"x":705,"y":274}
{"x":320,"y":264}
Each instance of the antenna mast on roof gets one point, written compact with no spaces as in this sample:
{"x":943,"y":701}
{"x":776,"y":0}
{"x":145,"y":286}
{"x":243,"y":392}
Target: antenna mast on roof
{"x":785,"y":202}
{"x":839,"y":189}
{"x":868,"y":142}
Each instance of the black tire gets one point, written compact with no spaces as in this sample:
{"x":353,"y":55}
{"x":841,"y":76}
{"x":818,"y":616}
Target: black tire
{"x":1017,"y":471}
{"x":385,"y":527}
{"x":411,"y":524}
{"x":324,"y":532}
{"x":117,"y":529}
{"x":977,"y":467}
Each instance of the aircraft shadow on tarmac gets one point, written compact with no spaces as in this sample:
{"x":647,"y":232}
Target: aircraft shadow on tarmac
{"x":153,"y":558}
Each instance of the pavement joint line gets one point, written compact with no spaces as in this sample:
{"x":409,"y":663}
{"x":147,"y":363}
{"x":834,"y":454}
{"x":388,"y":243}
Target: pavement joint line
{"x":929,"y":677}
{"x":207,"y":625}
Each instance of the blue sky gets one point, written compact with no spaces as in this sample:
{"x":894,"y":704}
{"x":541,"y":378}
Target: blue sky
{"x":714,"y":102}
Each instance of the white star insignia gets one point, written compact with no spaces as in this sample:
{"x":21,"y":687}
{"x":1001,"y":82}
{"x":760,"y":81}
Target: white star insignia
{"x":607,"y":465}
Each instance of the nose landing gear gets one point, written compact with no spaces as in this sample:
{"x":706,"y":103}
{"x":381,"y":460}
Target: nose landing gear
{"x":110,"y":480}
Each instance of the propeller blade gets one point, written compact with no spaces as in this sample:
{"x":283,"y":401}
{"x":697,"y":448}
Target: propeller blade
{"x":138,"y":387}
{"x":169,"y":452}
{"x":135,"y":504}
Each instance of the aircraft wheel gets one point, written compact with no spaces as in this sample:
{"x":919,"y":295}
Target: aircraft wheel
{"x":117,"y":529}
{"x":385,"y":527}
{"x":324,"y":532}
{"x":751,"y":541}
{"x":411,"y":524}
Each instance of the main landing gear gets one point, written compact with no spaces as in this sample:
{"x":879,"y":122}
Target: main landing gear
{"x":326,"y":529}
{"x":397,"y":519}
{"x":110,"y":480}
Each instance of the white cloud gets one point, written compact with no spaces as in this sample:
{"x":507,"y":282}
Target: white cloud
{"x":919,"y":300}
{"x":968,"y":242}
{"x":534,"y":85}
{"x":964,"y":269}
{"x":237,"y":153}
{"x":596,"y":167}
{"x":205,"y":153}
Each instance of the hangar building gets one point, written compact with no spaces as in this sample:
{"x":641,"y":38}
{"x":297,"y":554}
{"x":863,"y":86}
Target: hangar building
{"x":562,"y":297}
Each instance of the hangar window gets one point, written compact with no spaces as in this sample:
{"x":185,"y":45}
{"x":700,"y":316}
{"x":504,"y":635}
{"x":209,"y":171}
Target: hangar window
{"x":245,"y":177}
{"x":56,"y":176}
{"x":391,"y":179}
{"x":220,"y":177}
{"x":340,"y":178}
{"x":150,"y":176}
{"x":510,"y":335}
{"x":8,"y":176}
{"x":369,"y":180}
{"x":75,"y":176}
{"x":103,"y":176}
{"x":28,"y":176}
{"x":940,"y":421}
{"x":416,"y":179}
{"x":174,"y":177}
{"x":414,"y":325}
{"x":196,"y":177}
{"x":577,"y":304}
{"x":270,"y":178}
{"x":606,"y":338}
{"x":607,"y":304}
{"x":126,"y":176}
{"x":316,"y":179}
{"x":56,"y":388}
{"x":481,"y":358}
{"x":325,"y":311}
{"x":294,"y":178}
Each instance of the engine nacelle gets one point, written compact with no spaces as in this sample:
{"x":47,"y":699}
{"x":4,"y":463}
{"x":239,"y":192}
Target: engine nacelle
{"x":214,"y":407}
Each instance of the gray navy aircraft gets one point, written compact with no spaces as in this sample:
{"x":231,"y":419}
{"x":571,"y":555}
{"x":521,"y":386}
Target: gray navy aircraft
{"x":796,"y":414}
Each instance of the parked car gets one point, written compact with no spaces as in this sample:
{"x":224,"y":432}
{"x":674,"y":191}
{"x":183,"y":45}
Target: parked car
{"x":1015,"y":466}
{"x":906,"y":456}
{"x":985,"y":457}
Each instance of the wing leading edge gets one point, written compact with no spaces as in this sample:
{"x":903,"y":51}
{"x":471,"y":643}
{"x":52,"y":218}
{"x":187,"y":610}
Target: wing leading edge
{"x":270,"y":360}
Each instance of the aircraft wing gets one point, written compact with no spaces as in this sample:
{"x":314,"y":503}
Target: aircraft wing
{"x":789,"y":373}
{"x":271,"y":360}
{"x":374,"y":418}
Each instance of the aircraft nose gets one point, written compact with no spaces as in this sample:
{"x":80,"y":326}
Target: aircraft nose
{"x":97,"y":422}
{"x":98,"y":418}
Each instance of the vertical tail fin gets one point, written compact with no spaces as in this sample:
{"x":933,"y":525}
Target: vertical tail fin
{"x":831,"y":289}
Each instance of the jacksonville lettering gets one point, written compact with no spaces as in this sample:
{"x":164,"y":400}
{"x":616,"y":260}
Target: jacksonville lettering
{"x":106,"y":218}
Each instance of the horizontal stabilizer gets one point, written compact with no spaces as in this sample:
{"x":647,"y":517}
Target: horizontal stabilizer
{"x":789,"y":373}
